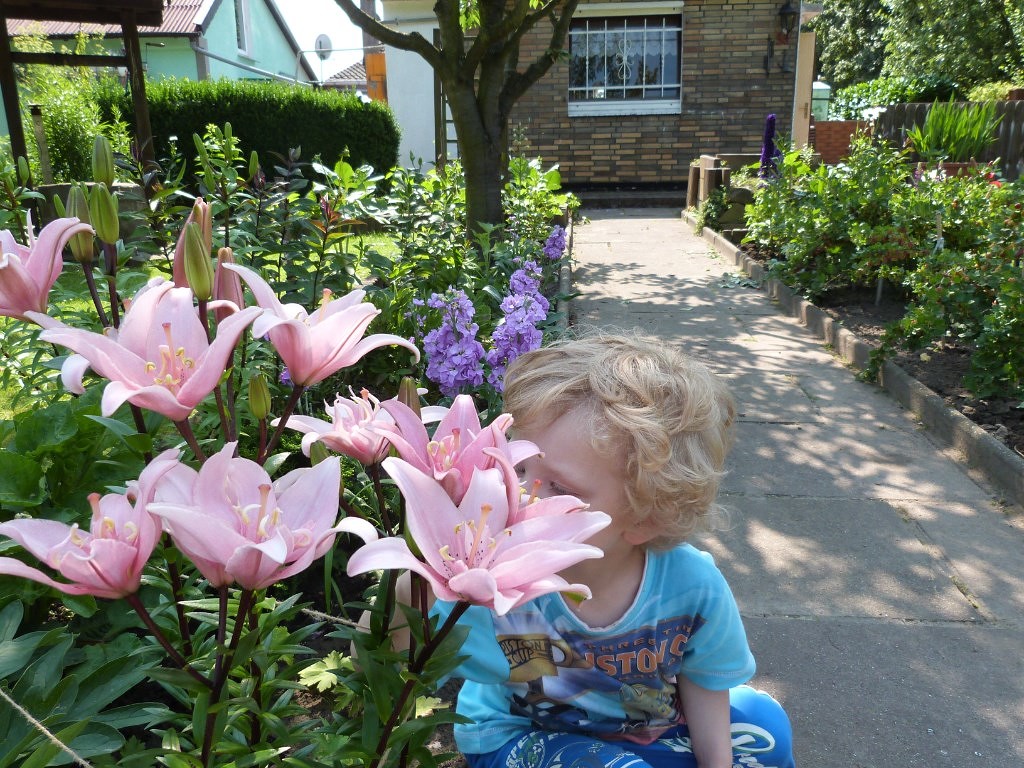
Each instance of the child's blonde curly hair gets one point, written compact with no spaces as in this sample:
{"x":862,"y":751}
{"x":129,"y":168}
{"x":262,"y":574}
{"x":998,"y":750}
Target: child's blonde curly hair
{"x":666,"y":413}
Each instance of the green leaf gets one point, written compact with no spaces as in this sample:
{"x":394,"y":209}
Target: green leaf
{"x":39,"y":431}
{"x":10,"y":620}
{"x":273,"y":463}
{"x":48,"y":751}
{"x":322,"y":674}
{"x":20,"y":480}
{"x":81,"y":605}
{"x":119,"y":428}
{"x":16,"y":653}
{"x":180,"y":761}
{"x":261,"y":757}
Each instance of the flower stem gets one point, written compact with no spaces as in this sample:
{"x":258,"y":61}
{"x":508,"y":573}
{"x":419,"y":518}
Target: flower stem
{"x":415,"y":668}
{"x":140,"y":425}
{"x":174,"y":574}
{"x":91,"y":282}
{"x":289,"y":408}
{"x":225,"y":660}
{"x":110,"y":257}
{"x":140,"y":609}
{"x":385,"y":518}
{"x":185,"y":428}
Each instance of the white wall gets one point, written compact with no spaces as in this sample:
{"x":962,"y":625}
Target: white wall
{"x":411,"y":80}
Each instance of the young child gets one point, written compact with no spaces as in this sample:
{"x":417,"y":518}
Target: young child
{"x":648,"y":672}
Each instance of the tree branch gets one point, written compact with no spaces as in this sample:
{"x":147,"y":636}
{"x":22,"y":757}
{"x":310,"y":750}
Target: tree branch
{"x":517,"y":83}
{"x":412,"y":41}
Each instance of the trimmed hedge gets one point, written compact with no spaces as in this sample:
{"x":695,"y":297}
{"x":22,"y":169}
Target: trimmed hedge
{"x":265,"y":117}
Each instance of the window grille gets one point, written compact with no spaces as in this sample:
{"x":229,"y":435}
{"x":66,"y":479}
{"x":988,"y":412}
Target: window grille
{"x":625,"y":65}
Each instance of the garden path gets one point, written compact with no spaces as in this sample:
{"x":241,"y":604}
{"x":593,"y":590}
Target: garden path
{"x":882,"y":587}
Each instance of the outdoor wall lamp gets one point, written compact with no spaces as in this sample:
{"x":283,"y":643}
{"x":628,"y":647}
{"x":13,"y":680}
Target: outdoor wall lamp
{"x":787,"y":18}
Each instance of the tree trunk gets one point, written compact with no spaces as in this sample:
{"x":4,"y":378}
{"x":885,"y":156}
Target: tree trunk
{"x":482,"y":80}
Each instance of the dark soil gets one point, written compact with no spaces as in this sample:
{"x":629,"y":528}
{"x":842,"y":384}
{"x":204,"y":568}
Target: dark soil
{"x":941,"y":367}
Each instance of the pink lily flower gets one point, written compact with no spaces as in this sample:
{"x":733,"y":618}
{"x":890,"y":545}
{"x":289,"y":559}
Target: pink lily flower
{"x":313,"y":346}
{"x":459,"y":445}
{"x":27,"y":273}
{"x":106,"y":561}
{"x":473,"y":551}
{"x":349,"y":430}
{"x":238,"y":526}
{"x":159,"y":359}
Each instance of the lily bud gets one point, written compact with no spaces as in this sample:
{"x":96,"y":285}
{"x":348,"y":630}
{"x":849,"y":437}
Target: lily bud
{"x":102,"y":161}
{"x":227,"y":284}
{"x":408,"y":394}
{"x":259,"y":396}
{"x":24,"y":172}
{"x":103,"y":211}
{"x":201,"y":214}
{"x":254,"y":164}
{"x":317,"y":453}
{"x":82,"y":245}
{"x":198,"y":265}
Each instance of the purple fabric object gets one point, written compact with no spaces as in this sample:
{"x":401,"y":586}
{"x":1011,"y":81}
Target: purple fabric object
{"x":769,"y":152}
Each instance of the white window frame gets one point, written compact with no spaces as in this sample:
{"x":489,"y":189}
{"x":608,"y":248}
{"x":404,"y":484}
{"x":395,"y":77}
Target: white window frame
{"x":631,"y":106}
{"x":243,"y":27}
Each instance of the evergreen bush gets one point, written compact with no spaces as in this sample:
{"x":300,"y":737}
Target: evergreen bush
{"x":270,"y":118}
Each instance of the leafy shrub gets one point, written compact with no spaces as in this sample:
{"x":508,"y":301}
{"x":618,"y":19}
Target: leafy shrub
{"x":270,"y":118}
{"x":70,"y":116}
{"x":854,"y":102}
{"x":957,"y":132}
{"x":951,"y":244}
{"x":822,"y":220}
{"x":992,"y":91}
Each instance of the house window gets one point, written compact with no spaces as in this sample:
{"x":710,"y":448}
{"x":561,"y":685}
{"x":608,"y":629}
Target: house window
{"x":242,"y":28}
{"x":625,"y":65}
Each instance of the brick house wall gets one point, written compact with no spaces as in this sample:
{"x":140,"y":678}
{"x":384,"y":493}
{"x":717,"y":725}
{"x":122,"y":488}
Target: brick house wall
{"x":726,"y":96}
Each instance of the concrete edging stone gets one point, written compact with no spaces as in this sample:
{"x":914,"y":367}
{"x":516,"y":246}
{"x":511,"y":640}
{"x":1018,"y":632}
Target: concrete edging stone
{"x":1001,"y":467}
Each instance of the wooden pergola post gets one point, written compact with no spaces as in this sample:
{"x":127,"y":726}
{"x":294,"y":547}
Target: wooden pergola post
{"x":137,"y":80}
{"x":127,"y":13}
{"x":9,"y":85}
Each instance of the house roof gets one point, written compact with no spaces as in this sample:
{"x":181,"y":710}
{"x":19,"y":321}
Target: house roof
{"x":179,"y":18}
{"x":354,"y":73}
{"x":187,"y":18}
{"x":105,"y":11}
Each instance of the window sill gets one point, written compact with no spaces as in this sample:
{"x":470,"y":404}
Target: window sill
{"x":618,"y":108}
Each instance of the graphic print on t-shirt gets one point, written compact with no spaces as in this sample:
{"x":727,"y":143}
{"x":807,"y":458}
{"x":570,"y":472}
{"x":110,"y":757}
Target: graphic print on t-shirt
{"x":563,"y":677}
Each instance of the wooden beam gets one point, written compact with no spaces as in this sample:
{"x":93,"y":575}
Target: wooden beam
{"x":9,"y":84}
{"x":70,"y":59}
{"x":137,"y":78}
{"x":147,"y":12}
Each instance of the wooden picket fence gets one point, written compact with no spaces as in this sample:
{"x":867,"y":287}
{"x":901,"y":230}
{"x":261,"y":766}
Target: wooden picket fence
{"x":1008,"y":149}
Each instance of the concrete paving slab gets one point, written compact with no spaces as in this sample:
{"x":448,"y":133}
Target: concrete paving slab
{"x":981,"y":543}
{"x":866,"y":461}
{"x":775,"y":397}
{"x":871,"y":694}
{"x":835,"y":558}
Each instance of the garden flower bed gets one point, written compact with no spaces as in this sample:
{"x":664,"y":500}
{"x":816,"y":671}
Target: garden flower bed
{"x":943,"y":253}
{"x":200,"y":513}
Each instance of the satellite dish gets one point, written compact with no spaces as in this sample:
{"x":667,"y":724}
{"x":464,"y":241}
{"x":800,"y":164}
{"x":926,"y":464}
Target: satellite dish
{"x":323,"y":47}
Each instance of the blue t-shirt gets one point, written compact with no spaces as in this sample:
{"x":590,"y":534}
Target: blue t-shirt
{"x":540,"y":667}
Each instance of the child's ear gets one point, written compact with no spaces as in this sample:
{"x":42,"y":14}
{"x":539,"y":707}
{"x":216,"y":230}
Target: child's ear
{"x":640,"y":533}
